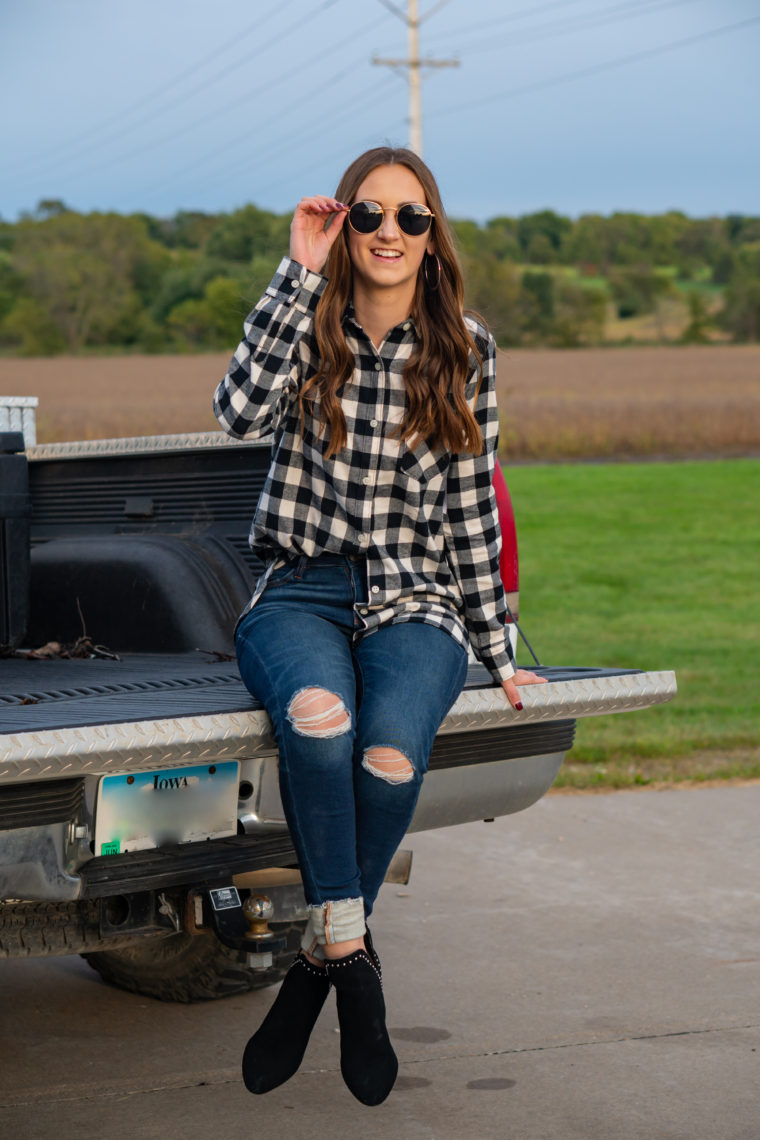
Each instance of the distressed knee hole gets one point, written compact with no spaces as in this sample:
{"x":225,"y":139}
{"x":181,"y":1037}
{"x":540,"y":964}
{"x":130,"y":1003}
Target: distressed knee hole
{"x":317,"y":712}
{"x":388,"y":764}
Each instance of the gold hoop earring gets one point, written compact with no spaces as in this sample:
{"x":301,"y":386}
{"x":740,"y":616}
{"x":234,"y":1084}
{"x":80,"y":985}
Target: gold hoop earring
{"x":430,"y":259}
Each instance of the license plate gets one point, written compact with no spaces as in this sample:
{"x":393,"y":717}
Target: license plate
{"x":175,"y":805}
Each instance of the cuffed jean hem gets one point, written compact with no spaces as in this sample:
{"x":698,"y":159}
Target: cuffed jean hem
{"x":338,"y":921}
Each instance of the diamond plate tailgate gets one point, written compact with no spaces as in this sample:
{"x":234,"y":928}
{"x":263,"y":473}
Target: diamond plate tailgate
{"x":174,"y":742}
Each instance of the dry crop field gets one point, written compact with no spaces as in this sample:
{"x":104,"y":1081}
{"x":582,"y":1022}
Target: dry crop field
{"x":668,"y":402}
{"x":555,"y":403}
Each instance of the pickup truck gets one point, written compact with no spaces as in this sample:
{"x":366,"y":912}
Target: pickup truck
{"x":140,"y":817}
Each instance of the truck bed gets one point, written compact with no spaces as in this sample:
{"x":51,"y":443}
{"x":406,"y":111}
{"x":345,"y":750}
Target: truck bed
{"x":142,"y":545}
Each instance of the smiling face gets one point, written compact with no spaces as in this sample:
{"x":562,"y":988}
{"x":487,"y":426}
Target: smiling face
{"x":388,"y":258}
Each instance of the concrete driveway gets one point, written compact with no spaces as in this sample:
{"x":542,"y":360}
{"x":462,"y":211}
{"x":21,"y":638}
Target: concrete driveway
{"x":587,"y":969}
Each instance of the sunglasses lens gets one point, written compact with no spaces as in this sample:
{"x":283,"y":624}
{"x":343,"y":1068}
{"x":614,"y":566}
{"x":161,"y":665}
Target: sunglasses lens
{"x":414,"y":220}
{"x":365,"y":217}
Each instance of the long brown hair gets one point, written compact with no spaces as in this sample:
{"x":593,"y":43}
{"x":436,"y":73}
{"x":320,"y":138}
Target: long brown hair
{"x":437,"y":372}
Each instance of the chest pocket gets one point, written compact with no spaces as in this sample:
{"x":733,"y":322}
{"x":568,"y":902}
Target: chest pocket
{"x":422,"y":463}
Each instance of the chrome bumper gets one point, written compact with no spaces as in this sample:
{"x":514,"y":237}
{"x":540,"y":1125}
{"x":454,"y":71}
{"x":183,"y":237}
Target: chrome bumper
{"x":465,"y":790}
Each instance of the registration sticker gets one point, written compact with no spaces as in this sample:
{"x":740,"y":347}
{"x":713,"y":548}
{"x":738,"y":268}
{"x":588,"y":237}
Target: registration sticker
{"x":174,"y":805}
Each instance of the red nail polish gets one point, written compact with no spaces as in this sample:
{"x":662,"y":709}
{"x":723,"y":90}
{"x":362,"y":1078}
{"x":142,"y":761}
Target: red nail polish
{"x":519,"y":706}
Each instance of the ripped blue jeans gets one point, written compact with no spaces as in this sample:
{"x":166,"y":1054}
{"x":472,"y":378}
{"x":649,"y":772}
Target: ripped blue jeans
{"x":354,"y":724}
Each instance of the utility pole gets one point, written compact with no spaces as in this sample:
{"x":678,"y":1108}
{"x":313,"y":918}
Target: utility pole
{"x":414,"y":65}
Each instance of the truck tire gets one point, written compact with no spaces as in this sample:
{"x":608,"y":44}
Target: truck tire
{"x":47,"y":929}
{"x":185,"y":967}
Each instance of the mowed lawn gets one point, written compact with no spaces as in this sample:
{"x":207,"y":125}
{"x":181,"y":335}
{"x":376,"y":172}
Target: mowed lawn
{"x":653,"y":566}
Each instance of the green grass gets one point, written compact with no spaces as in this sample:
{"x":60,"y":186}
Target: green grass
{"x":653,"y":566}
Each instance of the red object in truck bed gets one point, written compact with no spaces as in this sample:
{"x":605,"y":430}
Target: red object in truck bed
{"x":508,"y":562}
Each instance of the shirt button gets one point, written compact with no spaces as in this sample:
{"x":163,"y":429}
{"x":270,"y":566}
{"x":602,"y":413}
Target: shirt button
{"x":407,"y":325}
{"x":378,"y":366}
{"x":375,"y":589}
{"x":366,"y":480}
{"x":295,"y":282}
{"x":373,"y":423}
{"x":363,"y":611}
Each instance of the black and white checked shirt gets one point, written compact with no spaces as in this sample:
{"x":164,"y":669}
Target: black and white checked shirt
{"x":425,"y":519}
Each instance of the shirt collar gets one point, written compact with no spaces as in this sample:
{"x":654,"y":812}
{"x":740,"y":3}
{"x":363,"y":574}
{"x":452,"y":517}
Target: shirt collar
{"x":403,"y":328}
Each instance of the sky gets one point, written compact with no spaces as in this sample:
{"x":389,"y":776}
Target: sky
{"x":580,"y":106}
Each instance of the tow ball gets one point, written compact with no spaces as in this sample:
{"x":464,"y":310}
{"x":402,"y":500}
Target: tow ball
{"x":244,"y":926}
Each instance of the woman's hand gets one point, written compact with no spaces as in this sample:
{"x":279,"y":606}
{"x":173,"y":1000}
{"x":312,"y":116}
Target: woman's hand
{"x":310,"y":242}
{"x":521,"y":677}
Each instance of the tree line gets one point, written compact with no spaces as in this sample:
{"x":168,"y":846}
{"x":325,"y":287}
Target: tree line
{"x":72,"y":282}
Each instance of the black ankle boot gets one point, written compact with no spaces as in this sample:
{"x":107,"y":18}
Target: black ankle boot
{"x":367,"y":1061}
{"x":276,"y":1050}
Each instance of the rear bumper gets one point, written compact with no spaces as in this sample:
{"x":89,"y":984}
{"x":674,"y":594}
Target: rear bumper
{"x":488,"y":760}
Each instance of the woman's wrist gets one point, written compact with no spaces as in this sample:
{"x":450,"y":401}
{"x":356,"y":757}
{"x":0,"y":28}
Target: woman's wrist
{"x":308,"y":263}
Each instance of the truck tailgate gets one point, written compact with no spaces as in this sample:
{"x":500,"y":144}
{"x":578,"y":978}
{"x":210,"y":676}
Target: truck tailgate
{"x":97,"y":717}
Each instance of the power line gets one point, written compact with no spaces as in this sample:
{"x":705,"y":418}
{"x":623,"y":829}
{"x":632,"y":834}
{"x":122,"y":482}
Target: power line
{"x":531,"y":11}
{"x":366,"y":142}
{"x":609,"y":65}
{"x":581,"y":22}
{"x":585,"y":21}
{"x":326,"y":120}
{"x":106,"y":124}
{"x":297,"y":104}
{"x":223,"y":73}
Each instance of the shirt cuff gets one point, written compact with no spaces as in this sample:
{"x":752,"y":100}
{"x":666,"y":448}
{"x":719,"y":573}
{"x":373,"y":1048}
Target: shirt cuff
{"x":293,"y":283}
{"x":499,"y":661}
{"x":504,"y":672}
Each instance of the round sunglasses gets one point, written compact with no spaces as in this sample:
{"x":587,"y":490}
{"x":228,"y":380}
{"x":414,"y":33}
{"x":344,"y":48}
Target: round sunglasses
{"x":413,"y":218}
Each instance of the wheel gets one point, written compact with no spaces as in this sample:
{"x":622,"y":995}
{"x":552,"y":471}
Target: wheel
{"x":41,"y":929}
{"x":191,"y":967}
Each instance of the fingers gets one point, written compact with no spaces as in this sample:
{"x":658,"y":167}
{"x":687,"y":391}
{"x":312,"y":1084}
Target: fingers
{"x":335,"y":225}
{"x":319,"y":204}
{"x":513,"y":693}
{"x":525,"y":677}
{"x":310,"y":239}
{"x":521,"y":677}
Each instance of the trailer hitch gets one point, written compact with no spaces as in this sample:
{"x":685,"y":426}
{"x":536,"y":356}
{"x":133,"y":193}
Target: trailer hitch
{"x":243,"y":925}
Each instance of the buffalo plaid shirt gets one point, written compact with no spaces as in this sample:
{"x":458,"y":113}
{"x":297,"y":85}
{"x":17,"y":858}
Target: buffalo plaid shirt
{"x":425,"y":519}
